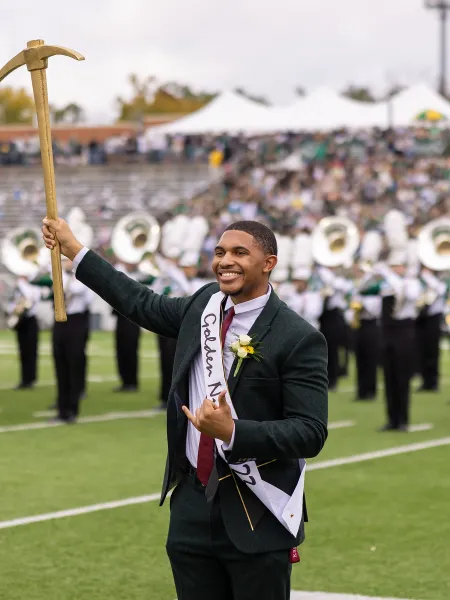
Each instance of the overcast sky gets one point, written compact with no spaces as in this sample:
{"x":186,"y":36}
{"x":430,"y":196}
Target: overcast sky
{"x":267,"y":46}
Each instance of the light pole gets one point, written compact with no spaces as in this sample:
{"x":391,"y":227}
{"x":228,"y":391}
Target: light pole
{"x":443,"y":6}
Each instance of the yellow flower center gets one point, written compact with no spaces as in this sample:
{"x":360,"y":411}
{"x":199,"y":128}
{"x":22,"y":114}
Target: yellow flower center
{"x":250,"y":349}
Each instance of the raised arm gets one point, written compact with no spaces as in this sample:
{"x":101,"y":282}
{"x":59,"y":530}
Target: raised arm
{"x":131,"y":299}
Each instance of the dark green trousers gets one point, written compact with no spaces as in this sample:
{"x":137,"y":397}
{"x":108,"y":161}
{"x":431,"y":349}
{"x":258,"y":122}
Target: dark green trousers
{"x":205,"y":563}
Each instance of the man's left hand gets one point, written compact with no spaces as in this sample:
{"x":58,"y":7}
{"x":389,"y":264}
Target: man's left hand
{"x":213,"y":418}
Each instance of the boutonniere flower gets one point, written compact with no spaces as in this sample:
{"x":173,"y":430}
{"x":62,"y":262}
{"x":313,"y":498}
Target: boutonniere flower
{"x":243,"y":348}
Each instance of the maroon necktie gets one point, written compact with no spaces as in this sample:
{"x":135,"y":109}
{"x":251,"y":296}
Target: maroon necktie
{"x":205,"y":458}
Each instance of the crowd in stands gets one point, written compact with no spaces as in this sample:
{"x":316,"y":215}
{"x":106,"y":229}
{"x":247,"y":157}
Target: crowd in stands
{"x":140,"y":148}
{"x":360,"y":175}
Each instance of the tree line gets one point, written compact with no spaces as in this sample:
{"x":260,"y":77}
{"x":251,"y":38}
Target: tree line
{"x":148,"y":96}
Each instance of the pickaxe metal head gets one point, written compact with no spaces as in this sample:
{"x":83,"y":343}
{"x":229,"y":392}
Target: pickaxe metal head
{"x":35,"y":57}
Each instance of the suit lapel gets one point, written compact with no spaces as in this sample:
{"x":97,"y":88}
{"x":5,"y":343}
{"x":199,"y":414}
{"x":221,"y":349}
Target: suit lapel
{"x":260,"y":329}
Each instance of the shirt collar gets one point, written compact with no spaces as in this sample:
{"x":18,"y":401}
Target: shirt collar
{"x":254,"y":304}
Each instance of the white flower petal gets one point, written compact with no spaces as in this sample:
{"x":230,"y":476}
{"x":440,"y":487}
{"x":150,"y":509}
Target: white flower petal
{"x":242,"y":352}
{"x":245,"y":340}
{"x":235,"y":346}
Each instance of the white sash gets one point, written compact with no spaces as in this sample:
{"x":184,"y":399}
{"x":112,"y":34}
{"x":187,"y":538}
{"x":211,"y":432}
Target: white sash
{"x":287,"y":509}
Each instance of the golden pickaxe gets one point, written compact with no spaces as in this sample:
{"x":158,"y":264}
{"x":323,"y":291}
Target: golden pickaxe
{"x":35,"y":57}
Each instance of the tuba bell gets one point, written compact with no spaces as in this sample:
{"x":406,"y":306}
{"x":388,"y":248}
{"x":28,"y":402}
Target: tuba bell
{"x":434,"y":245}
{"x":23,"y":252}
{"x":24,"y":255}
{"x":335,"y":241}
{"x":134,"y":240}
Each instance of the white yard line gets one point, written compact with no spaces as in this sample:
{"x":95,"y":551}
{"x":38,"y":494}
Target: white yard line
{"x":327,"y":464}
{"x":420,"y":427}
{"x":91,"y":379}
{"x":74,"y":512}
{"x":357,"y":458}
{"x":341,"y":424}
{"x":113,"y":416}
{"x":328,"y":596}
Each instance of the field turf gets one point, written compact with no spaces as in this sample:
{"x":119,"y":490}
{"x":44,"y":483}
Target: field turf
{"x":377,"y":527}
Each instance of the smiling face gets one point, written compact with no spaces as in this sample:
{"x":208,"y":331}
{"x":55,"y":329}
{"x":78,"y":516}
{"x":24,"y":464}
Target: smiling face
{"x":241,"y":266}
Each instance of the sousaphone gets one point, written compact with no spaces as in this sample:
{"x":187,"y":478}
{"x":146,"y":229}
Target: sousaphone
{"x":434,"y":245}
{"x":134,"y":240}
{"x":335,"y":241}
{"x":23,"y":252}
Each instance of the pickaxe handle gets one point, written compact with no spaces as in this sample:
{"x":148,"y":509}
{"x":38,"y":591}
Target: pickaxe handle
{"x":39,"y":81}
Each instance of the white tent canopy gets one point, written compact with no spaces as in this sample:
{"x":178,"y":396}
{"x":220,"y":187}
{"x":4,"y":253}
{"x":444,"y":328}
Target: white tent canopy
{"x":408,"y":104}
{"x":228,"y":112}
{"x":404,"y":108}
{"x":322,"y":110}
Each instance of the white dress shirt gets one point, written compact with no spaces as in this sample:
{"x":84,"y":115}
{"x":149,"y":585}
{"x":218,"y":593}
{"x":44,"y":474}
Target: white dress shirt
{"x":78,"y":258}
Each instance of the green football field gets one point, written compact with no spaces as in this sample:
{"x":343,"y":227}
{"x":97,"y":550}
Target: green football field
{"x":379,"y":518}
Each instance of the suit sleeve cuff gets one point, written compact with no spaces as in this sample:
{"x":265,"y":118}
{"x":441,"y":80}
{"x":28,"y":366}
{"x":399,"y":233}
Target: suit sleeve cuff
{"x":229,"y":447}
{"x":78,"y":258}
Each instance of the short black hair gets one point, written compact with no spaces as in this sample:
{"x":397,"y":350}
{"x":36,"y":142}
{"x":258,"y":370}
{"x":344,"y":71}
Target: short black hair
{"x":262,"y":234}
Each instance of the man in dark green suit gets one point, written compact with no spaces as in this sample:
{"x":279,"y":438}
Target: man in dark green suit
{"x":224,"y":542}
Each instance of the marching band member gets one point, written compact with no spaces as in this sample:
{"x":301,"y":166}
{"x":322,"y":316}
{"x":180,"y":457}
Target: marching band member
{"x":429,"y":324}
{"x":23,"y":254}
{"x":171,"y":283}
{"x":399,"y":311}
{"x":433,"y":253}
{"x":334,"y":243}
{"x":127,"y":336}
{"x":303,"y":298}
{"x":347,"y":342}
{"x":76,"y":220}
{"x":69,"y":343}
{"x":306,"y":302}
{"x":21,"y":312}
{"x":332,"y":325}
{"x":366,"y":305}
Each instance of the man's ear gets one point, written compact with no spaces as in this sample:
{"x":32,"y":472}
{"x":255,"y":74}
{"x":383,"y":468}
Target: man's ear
{"x":270,"y":263}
